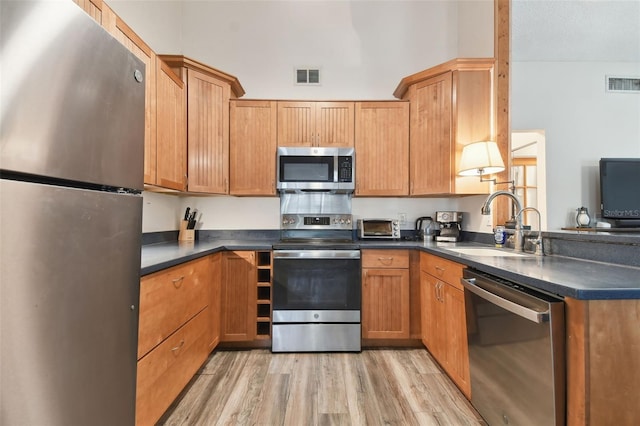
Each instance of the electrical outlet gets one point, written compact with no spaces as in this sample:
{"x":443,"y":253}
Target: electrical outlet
{"x":402,"y":218}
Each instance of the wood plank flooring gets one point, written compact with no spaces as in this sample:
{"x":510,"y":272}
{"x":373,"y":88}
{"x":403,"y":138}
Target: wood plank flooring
{"x":375,"y":387}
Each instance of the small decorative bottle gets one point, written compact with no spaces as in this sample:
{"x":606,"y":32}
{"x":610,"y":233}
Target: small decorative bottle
{"x":500,"y":236}
{"x":582,"y":218}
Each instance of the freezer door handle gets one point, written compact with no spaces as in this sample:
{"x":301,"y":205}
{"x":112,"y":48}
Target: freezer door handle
{"x":521,"y":311}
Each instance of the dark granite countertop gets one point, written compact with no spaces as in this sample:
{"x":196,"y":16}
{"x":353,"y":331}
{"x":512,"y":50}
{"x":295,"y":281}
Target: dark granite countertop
{"x":560,"y":275}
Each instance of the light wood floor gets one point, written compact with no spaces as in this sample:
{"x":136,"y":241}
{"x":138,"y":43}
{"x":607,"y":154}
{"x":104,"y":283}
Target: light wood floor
{"x":375,"y":387}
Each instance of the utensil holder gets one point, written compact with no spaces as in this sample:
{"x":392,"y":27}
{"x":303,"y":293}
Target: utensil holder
{"x":186,"y":234}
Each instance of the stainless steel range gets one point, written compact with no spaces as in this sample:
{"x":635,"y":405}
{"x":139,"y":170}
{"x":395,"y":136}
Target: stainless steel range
{"x":316,"y":275}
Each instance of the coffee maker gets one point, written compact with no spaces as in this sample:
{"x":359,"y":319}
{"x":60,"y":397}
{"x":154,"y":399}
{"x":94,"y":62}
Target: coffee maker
{"x":449,"y":226}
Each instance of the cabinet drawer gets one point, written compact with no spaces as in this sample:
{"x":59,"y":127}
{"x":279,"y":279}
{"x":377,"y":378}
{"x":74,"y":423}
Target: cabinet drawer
{"x":397,"y":259}
{"x":443,"y":269}
{"x":166,"y":370}
{"x":169,"y":298}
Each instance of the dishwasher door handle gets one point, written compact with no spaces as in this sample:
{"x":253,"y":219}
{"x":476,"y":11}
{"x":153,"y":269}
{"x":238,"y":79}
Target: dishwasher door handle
{"x":521,"y":311}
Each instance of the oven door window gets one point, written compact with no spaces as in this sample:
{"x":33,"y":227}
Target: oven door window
{"x":306,"y":169}
{"x":304,"y":284}
{"x":378,"y":227}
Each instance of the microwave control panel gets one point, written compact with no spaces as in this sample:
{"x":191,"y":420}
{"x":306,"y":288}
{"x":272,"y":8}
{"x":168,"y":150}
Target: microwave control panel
{"x":345,"y":168}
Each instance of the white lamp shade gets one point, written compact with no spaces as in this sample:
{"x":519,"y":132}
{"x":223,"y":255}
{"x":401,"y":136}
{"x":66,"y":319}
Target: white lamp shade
{"x":480,"y":158}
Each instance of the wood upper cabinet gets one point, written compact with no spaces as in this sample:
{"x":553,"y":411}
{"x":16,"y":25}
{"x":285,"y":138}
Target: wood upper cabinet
{"x":385,"y":294}
{"x":252,"y":147}
{"x":325,"y":124}
{"x":451,"y":106}
{"x":444,"y":326}
{"x":171,"y":151}
{"x":382,"y":148}
{"x":238,"y":311}
{"x":207,"y":96}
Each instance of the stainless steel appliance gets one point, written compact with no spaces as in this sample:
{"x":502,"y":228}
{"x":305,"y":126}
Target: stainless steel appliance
{"x":449,"y":226}
{"x":316,"y":275}
{"x":71,"y":157}
{"x":316,"y":300}
{"x":316,"y":169}
{"x":380,"y":229}
{"x":516,"y":351}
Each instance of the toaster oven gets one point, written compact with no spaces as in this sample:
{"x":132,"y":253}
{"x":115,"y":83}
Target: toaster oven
{"x":379,"y":229}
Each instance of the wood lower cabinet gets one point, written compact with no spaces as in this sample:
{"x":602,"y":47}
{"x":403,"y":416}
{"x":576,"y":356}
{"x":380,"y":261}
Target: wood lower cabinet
{"x":175,"y":333}
{"x":238,"y":310}
{"x":252,"y":147}
{"x":444,"y":327}
{"x":603,"y":361}
{"x":382,"y":148}
{"x":451,"y":106}
{"x":385,"y":294}
{"x":325,"y":124}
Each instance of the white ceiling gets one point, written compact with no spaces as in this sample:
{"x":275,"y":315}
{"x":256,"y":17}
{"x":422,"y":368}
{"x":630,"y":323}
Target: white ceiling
{"x":582,"y":30}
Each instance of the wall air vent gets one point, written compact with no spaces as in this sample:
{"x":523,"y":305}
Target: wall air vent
{"x":307,"y":76}
{"x":623,"y":84}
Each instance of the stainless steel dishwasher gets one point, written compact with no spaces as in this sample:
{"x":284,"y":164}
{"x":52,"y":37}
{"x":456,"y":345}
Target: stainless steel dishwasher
{"x":516,"y":351}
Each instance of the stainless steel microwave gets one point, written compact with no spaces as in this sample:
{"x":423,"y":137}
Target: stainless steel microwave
{"x":316,"y":169}
{"x":378,"y":229}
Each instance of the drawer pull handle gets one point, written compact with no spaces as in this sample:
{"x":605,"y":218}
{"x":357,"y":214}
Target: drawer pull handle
{"x":386,"y":260}
{"x":440,"y":270}
{"x":177,"y":282}
{"x":178,"y":347}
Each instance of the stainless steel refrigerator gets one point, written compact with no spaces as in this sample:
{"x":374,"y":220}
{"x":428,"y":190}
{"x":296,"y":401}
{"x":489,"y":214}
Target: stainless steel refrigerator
{"x":71,"y":165}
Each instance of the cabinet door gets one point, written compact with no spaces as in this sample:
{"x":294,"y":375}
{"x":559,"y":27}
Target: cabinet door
{"x":382,"y":147}
{"x":430,"y":144}
{"x":334,"y":124}
{"x":214,"y":300}
{"x":171,"y":129}
{"x":457,"y":351}
{"x":207,"y":133}
{"x":238,"y":323}
{"x":385,"y":304}
{"x":296,"y":123}
{"x":433,"y":316}
{"x":252,"y":148}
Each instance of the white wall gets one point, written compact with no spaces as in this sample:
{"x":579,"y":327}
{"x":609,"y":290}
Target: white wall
{"x":561,"y":53}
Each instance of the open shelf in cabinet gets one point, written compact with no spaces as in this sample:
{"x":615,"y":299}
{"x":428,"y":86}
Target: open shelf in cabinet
{"x":263,"y":295}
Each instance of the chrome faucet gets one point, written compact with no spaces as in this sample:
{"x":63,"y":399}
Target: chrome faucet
{"x":537,"y":241}
{"x":486,"y":210}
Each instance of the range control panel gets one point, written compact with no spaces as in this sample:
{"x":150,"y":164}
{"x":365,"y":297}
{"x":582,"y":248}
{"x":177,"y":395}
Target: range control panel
{"x":323,"y":221}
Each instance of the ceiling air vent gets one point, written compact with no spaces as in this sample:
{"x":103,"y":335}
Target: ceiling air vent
{"x":623,"y":84}
{"x":307,"y":76}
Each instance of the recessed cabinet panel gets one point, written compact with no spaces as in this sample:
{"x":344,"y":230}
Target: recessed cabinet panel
{"x":382,"y":148}
{"x":207,"y":133}
{"x":171,"y":132}
{"x":252,"y":147}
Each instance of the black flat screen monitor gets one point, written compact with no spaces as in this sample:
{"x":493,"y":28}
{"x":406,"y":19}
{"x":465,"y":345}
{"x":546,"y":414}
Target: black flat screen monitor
{"x":620,"y":190}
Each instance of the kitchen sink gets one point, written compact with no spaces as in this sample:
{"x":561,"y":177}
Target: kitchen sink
{"x":486,"y":252}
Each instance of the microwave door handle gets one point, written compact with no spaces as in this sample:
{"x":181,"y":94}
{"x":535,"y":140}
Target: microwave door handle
{"x":521,"y":311}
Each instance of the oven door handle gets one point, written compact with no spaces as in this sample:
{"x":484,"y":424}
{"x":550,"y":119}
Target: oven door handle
{"x":316,"y":254}
{"x":522,"y":311}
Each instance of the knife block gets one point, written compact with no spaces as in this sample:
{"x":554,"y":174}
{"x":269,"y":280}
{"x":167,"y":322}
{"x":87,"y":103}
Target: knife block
{"x":186,"y":234}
